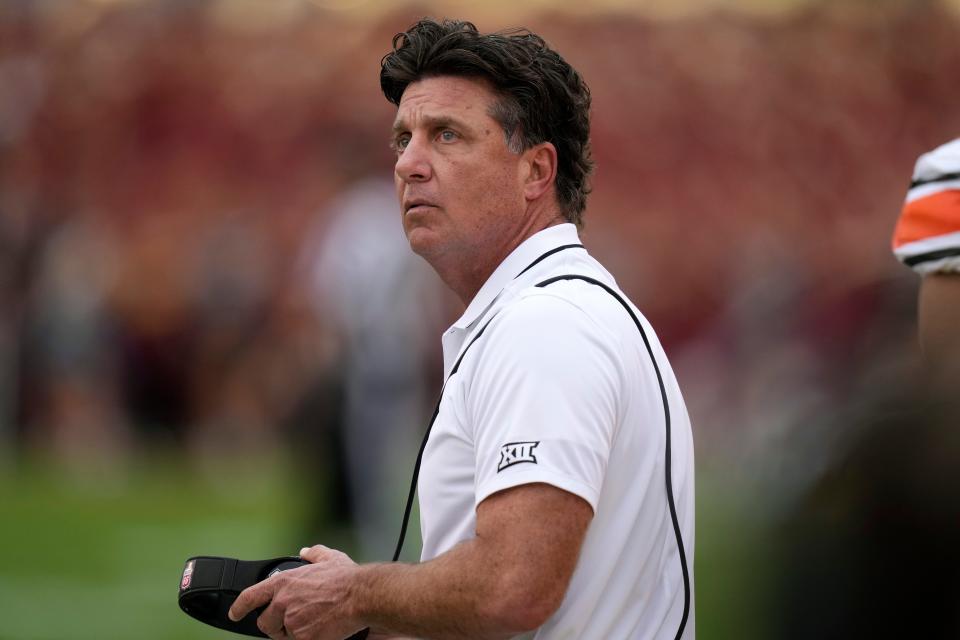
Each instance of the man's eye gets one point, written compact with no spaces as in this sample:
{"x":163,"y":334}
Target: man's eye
{"x":448,"y":136}
{"x":400,"y":143}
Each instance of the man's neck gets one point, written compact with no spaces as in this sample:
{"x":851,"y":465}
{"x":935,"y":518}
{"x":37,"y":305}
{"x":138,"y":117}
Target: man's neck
{"x":469,"y":274}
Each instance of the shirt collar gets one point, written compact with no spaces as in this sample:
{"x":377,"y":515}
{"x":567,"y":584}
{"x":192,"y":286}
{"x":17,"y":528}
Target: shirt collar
{"x":518,"y":260}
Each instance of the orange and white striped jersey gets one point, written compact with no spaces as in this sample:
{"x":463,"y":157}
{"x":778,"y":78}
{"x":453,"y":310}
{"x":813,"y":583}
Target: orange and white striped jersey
{"x":927,"y":236}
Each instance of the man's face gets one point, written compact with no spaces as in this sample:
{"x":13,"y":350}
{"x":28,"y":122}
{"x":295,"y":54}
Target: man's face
{"x":460,"y":187}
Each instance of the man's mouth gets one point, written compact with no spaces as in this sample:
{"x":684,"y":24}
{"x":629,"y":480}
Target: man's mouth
{"x":416,"y":204}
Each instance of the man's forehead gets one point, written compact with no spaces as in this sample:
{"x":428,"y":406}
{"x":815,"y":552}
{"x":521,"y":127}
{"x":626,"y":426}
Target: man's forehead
{"x":444,"y":97}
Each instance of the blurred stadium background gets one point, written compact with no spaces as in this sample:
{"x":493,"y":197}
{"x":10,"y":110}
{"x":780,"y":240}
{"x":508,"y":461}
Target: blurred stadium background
{"x":197,"y":358}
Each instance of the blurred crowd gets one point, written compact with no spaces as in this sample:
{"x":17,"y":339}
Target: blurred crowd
{"x":161,"y":166}
{"x":198,"y":247}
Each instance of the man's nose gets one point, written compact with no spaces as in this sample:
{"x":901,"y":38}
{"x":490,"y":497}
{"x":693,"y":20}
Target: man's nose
{"x":413,"y":164}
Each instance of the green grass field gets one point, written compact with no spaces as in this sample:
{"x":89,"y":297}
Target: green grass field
{"x":101,"y":558}
{"x":88,"y":557}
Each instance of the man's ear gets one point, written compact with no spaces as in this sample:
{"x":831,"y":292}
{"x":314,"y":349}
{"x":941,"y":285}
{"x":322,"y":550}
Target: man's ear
{"x":542,"y":162}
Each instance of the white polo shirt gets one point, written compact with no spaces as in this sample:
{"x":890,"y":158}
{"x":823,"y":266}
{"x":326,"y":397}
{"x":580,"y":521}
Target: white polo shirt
{"x":560,"y":388}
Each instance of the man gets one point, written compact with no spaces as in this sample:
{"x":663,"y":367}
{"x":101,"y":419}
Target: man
{"x":927,"y":238}
{"x":556,"y":489}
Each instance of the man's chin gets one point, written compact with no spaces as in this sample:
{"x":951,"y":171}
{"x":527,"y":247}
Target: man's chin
{"x":423,"y":242}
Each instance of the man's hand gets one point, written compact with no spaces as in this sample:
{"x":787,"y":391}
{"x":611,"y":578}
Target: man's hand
{"x":307,"y":603}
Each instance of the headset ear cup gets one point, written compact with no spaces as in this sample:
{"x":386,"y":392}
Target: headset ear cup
{"x":202,"y":605}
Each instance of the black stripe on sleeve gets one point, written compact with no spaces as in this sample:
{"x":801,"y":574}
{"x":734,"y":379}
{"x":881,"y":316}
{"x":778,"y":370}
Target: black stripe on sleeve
{"x":930,"y":256}
{"x":944,"y":178}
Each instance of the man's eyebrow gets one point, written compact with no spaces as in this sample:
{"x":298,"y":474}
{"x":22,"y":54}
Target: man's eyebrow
{"x":432,"y":122}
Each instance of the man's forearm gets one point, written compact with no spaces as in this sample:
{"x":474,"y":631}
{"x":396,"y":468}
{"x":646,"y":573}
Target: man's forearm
{"x":508,"y":579}
{"x":456,"y":596}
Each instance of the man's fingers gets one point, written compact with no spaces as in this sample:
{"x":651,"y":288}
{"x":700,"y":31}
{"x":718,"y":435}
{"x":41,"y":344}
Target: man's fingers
{"x":312,"y":554}
{"x":252,"y":597}
{"x":271,"y":622}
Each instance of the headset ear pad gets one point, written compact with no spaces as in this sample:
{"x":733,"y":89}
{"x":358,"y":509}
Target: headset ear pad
{"x":203,"y":605}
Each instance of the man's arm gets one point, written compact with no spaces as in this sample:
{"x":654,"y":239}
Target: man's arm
{"x":509,"y":579}
{"x":939,"y":320}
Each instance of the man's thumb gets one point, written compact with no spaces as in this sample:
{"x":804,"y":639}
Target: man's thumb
{"x":312,"y":554}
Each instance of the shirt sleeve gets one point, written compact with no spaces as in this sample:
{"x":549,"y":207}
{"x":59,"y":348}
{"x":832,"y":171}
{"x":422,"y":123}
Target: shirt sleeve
{"x":545,"y":399}
{"x":927,"y":235}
